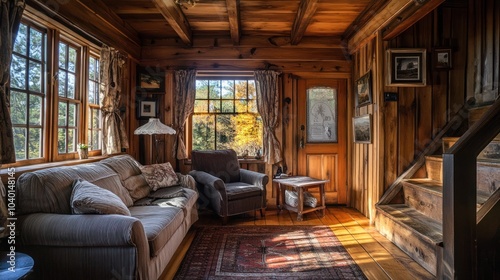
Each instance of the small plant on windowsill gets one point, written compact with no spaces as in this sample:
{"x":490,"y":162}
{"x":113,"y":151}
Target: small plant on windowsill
{"x":83,"y":151}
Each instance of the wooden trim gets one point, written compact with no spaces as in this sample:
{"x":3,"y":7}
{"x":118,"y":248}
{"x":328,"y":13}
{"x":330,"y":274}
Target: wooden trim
{"x":364,"y":17}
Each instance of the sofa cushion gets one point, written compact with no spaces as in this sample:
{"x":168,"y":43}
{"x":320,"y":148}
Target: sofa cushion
{"x":222,"y":164}
{"x":87,"y":198}
{"x":160,"y":175}
{"x":160,"y":224}
{"x":130,"y":175}
{"x":49,"y":190}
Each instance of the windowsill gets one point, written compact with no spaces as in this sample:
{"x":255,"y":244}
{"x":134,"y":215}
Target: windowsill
{"x":18,"y":170}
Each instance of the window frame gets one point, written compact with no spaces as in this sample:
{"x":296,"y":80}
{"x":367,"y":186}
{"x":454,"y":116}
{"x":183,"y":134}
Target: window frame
{"x":56,"y":32}
{"x":189,"y":122}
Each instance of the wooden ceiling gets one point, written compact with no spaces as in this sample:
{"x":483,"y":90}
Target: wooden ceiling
{"x":161,"y":19}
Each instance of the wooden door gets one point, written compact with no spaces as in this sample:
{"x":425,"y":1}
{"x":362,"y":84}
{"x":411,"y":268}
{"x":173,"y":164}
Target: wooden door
{"x":322,"y":129}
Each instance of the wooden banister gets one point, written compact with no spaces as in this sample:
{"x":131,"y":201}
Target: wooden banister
{"x":459,"y":197}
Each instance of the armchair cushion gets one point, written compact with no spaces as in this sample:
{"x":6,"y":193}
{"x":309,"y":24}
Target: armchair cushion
{"x":221,"y":163}
{"x":240,"y":190}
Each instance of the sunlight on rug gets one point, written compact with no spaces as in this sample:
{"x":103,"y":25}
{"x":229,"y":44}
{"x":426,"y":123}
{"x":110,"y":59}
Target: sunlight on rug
{"x":267,"y":252}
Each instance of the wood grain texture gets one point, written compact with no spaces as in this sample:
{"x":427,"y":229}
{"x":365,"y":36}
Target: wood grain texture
{"x":176,"y":19}
{"x":306,"y":11}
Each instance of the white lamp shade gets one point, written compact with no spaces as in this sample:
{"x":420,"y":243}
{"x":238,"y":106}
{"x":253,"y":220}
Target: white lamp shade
{"x":154,"y":126}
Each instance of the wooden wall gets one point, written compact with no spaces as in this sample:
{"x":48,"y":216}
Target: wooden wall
{"x":402,"y":128}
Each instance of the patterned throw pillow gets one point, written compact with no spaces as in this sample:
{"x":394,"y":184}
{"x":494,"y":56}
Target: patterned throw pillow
{"x":159,"y":175}
{"x":87,"y":198}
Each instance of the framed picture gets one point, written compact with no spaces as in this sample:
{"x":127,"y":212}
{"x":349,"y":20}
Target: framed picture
{"x":150,"y":79}
{"x":442,"y":58}
{"x":364,"y":90}
{"x":406,"y":67}
{"x":147,"y":108}
{"x":362,"y":128}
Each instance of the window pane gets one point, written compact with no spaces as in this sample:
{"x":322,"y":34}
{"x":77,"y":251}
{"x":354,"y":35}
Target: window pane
{"x":249,"y":135}
{"x":241,"y":89}
{"x":62,"y":55}
{"x":96,"y":117}
{"x":36,"y":42}
{"x":35,"y":74}
{"x":20,"y":142}
{"x":61,"y":140}
{"x":63,"y":107}
{"x":21,"y":40}
{"x":202,"y":89}
{"x":203,"y":132}
{"x":201,"y":106}
{"x":214,"y":89}
{"x":227,"y":106}
{"x":18,"y":101}
{"x":227,"y":89}
{"x":252,"y":106}
{"x":92,"y":68}
{"x":72,"y":60}
{"x":241,"y":106}
{"x":72,"y":113}
{"x":91,"y":96}
{"x":18,"y":72}
{"x":35,"y":110}
{"x":35,"y":143}
{"x":62,"y":83}
{"x":214,"y":106}
{"x":71,"y":86}
{"x":251,"y":90}
{"x":225,"y":131}
{"x":71,"y":140}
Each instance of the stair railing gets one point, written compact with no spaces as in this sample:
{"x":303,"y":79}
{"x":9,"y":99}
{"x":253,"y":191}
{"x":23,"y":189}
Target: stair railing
{"x":460,"y":198}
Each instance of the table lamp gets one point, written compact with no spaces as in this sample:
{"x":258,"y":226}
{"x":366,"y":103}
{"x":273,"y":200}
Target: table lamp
{"x":154,"y":127}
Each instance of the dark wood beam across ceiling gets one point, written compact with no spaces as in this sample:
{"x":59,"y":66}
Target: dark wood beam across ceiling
{"x":233,"y":11}
{"x":307,"y":9}
{"x":176,"y":18}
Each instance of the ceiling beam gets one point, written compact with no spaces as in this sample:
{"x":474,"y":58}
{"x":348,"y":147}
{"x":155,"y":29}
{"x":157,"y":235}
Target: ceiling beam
{"x":233,"y":12}
{"x":307,"y":9}
{"x":176,"y":18}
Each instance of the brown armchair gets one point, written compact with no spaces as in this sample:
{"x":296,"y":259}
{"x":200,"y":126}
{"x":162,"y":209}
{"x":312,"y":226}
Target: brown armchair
{"x":228,"y":189}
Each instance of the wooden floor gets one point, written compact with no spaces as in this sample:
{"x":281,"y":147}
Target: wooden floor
{"x":376,"y":256}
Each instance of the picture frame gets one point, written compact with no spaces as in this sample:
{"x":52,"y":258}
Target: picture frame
{"x":147,"y":108}
{"x":362,"y":129}
{"x":364,"y":90}
{"x":406,"y":67}
{"x":150,"y":80}
{"x":441,"y":58}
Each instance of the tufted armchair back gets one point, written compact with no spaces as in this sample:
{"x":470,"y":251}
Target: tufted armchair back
{"x":220,"y":163}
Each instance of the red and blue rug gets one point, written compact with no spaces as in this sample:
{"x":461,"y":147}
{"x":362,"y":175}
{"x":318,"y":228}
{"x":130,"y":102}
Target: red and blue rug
{"x":267,"y":252}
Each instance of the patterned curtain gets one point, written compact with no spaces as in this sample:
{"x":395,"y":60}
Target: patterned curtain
{"x":184,"y":95}
{"x":267,"y":85}
{"x":113,"y":132}
{"x":11,"y":12}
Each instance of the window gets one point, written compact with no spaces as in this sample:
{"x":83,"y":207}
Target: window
{"x":27,"y":92}
{"x":225,"y":116}
{"x":53,"y":108}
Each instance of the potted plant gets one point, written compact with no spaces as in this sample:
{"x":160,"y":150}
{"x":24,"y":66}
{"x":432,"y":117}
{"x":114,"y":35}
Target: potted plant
{"x":83,"y":151}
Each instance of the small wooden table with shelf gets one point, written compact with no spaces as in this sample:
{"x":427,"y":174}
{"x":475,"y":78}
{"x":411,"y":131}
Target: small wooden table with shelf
{"x":300,"y":184}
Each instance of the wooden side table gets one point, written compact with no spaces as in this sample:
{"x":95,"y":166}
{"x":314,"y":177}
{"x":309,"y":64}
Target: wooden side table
{"x":300,"y":184}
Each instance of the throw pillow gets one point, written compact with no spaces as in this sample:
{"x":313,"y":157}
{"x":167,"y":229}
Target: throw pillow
{"x":87,"y":198}
{"x":160,"y":175}
{"x":292,"y":199}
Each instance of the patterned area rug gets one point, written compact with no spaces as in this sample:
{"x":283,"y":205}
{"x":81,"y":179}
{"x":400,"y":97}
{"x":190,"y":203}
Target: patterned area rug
{"x":267,"y":252}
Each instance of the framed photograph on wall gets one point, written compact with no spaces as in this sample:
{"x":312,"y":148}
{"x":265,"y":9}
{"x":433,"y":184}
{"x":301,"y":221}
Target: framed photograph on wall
{"x":150,"y":79}
{"x":364,"y":90}
{"x":147,"y":108}
{"x":442,"y":58}
{"x":362,"y":128}
{"x":406,"y":67}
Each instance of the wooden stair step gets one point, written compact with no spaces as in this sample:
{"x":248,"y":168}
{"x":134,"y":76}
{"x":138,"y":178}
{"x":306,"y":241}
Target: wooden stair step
{"x":492,"y":151}
{"x":415,"y":233}
{"x":426,"y":196}
{"x":434,"y":167}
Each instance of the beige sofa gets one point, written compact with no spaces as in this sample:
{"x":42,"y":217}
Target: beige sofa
{"x":95,"y":246}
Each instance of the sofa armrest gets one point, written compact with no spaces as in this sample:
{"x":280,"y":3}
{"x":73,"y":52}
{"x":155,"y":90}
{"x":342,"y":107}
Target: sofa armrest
{"x":45,"y":229}
{"x":254,"y":178}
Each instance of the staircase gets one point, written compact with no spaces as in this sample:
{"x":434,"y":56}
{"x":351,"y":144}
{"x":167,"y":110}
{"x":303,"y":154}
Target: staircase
{"x":411,"y":216}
